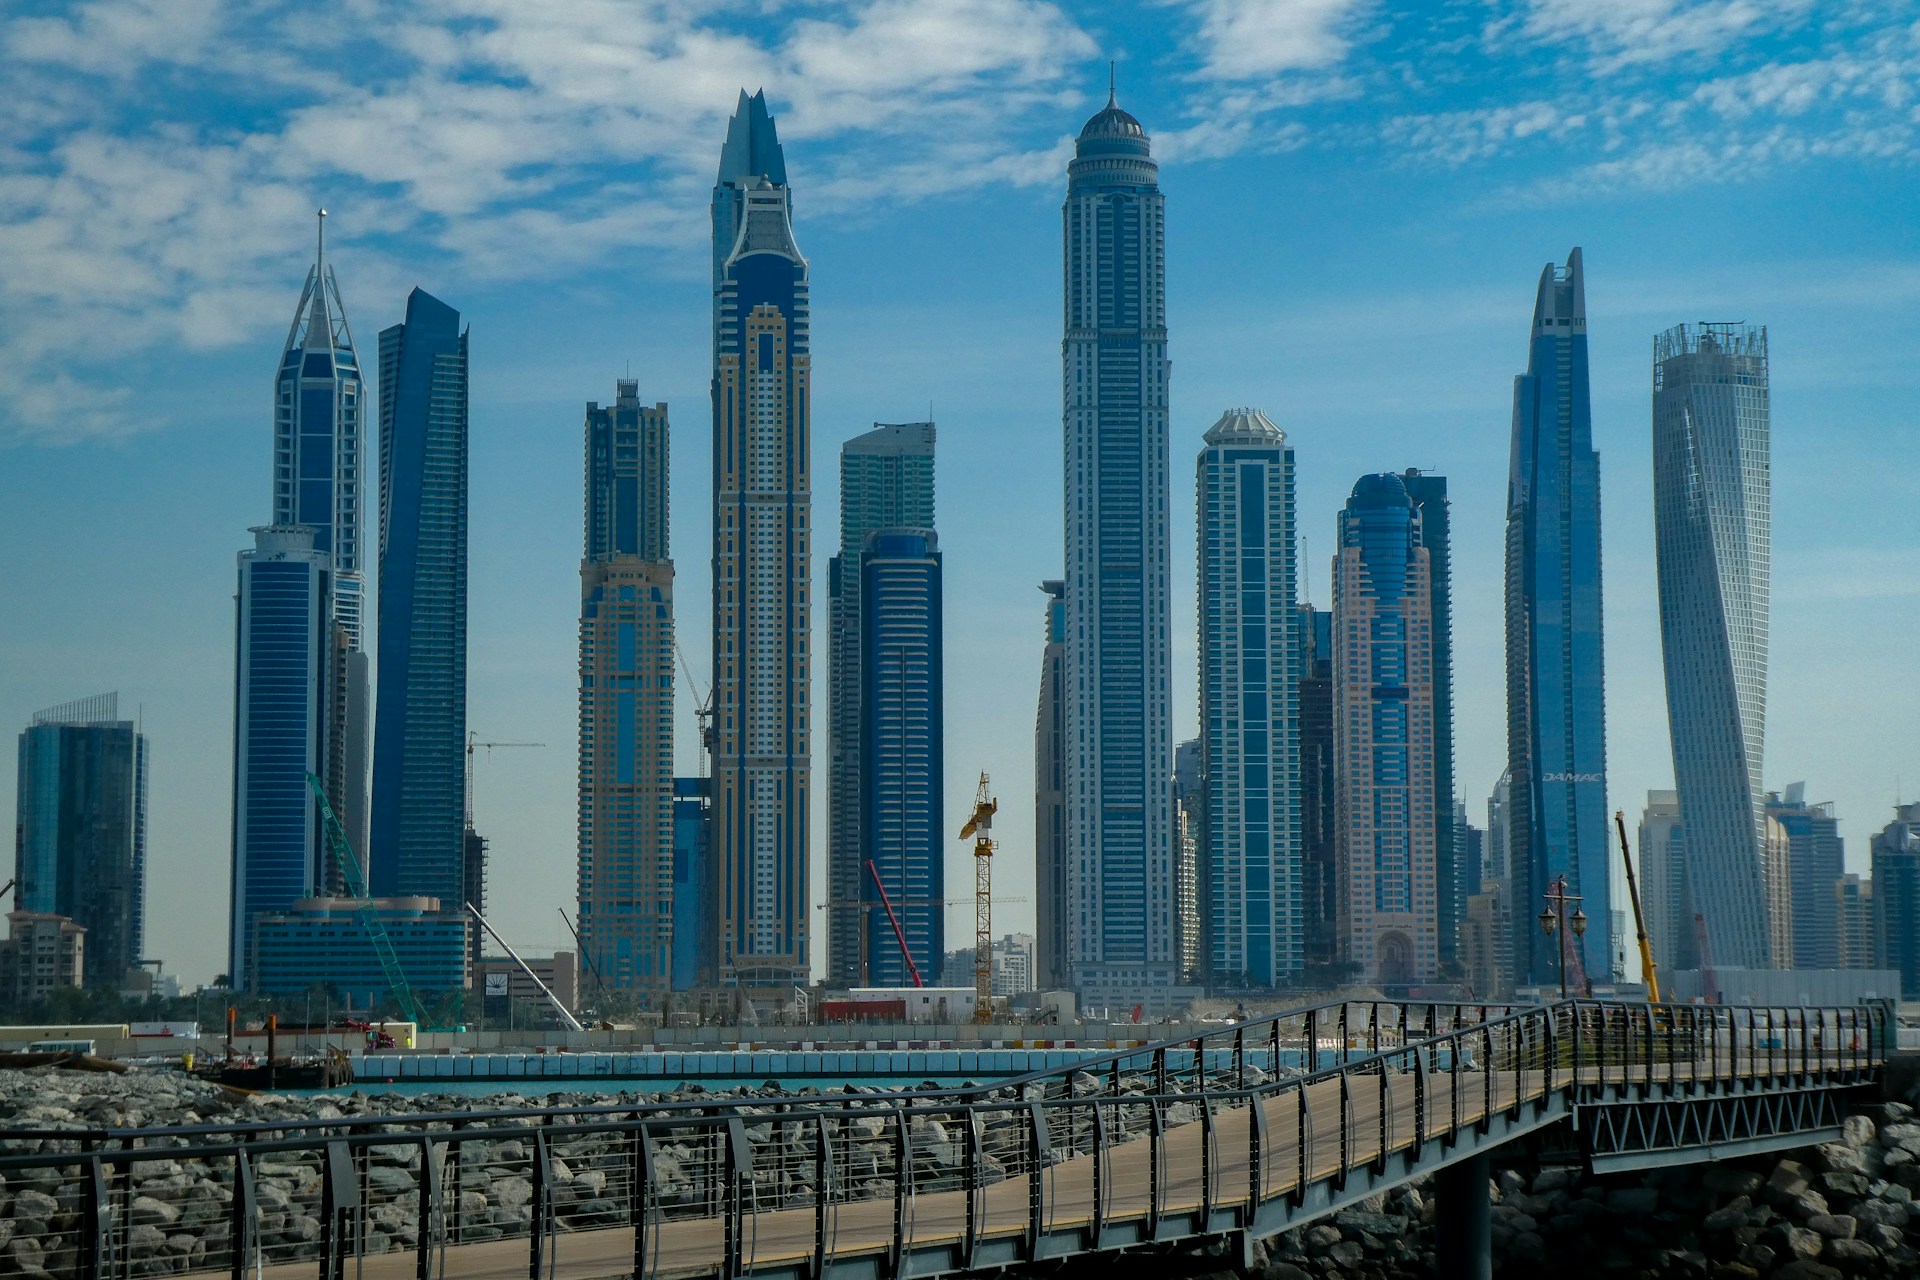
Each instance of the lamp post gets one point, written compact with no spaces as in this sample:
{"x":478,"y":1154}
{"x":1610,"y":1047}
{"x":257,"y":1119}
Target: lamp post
{"x":1554,"y":920}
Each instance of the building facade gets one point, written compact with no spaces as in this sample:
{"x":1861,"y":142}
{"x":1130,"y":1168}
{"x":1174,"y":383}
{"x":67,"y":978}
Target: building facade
{"x":1853,"y":923}
{"x":762,"y":562}
{"x":1895,"y":895}
{"x":886,"y":482}
{"x":320,"y":481}
{"x":323,"y":942}
{"x":1712,"y":547}
{"x":1665,"y":900}
{"x":1190,"y":874}
{"x":1556,"y":706}
{"x":1050,"y":799}
{"x":625,"y":776}
{"x":1118,"y":708}
{"x":420,"y":716}
{"x":1319,"y":824}
{"x":282,"y":677}
{"x":80,"y":834}
{"x":902,"y":754}
{"x":42,"y":954}
{"x":1816,"y":859}
{"x":1453,"y":878}
{"x":1777,"y":858}
{"x":1383,"y":722}
{"x":1249,"y":646}
{"x":692,"y":883}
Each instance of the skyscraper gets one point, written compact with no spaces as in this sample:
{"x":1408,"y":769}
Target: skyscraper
{"x":1895,"y":896}
{"x":762,"y":561}
{"x":1118,"y":721}
{"x":282,"y":674}
{"x":886,"y":482}
{"x":1050,"y":798}
{"x":1556,"y":707}
{"x":1853,"y":923}
{"x":420,"y":717}
{"x":319,"y":482}
{"x":1189,"y":861}
{"x":1383,"y":737}
{"x":1816,"y":859}
{"x":1711,"y":511}
{"x":692,"y":883}
{"x":1319,"y":871}
{"x":80,"y":836}
{"x":1249,"y":648}
{"x":902,"y":757}
{"x":625,"y":788}
{"x":1454,"y":879}
{"x":1664,"y":897}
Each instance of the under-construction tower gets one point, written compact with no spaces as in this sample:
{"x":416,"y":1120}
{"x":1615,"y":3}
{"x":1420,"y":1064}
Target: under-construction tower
{"x":980,"y":828}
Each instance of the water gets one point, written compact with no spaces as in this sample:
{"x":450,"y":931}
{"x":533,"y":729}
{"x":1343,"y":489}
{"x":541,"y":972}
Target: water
{"x":538,"y":1089}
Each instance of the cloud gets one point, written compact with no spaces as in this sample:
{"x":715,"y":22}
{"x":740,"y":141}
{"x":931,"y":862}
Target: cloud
{"x":1248,"y":39}
{"x":1618,"y":34}
{"x":1456,"y":137}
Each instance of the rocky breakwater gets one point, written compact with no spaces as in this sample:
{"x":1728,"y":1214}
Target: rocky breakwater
{"x":1831,"y":1212}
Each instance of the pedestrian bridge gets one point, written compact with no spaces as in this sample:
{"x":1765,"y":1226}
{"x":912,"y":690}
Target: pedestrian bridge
{"x":1243,"y":1133}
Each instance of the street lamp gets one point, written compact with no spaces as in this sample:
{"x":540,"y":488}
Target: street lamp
{"x":1551,"y":918}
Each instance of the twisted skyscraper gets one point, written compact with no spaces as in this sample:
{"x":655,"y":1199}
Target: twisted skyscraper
{"x":1556,"y":707}
{"x":762,"y":559}
{"x":1712,"y":512}
{"x":1119,"y":806}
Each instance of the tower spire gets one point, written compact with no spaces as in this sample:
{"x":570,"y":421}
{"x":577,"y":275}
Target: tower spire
{"x":320,"y":247}
{"x":1113,"y":99}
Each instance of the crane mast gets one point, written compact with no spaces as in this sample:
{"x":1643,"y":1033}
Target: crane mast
{"x":980,"y":828}
{"x":1647,"y":966}
{"x":369,"y":918}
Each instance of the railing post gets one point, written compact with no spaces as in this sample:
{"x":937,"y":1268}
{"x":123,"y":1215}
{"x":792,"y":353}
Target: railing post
{"x":433,"y":1210}
{"x":1346,"y":1138}
{"x":1646,"y":1087}
{"x":542,"y":1205}
{"x":1240,"y":1056}
{"x":1160,"y":1071}
{"x":971,"y":1241}
{"x":643,"y":1198}
{"x":1573,"y":1014}
{"x":1206,"y":1160}
{"x":1099,"y":1225}
{"x":96,"y":1238}
{"x":736,"y":1168}
{"x":1156,"y":1161}
{"x":1256,"y":1153}
{"x":1419,"y":1101}
{"x":1039,"y":1158}
{"x":1312,"y":1038}
{"x":339,"y":1197}
{"x":245,"y":1235}
{"x":1304,"y":1156}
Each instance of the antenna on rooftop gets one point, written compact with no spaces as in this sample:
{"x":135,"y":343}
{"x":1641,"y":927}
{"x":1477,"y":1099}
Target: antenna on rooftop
{"x":1112,"y":94}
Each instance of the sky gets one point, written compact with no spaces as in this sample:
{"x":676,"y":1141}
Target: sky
{"x":1360,"y":198}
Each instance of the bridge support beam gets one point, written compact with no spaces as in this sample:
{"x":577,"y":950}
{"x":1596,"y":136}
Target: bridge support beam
{"x":1463,"y":1243}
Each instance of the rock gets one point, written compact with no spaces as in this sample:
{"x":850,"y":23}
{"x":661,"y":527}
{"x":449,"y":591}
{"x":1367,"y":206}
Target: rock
{"x":1552,"y":1179}
{"x":145,"y":1241}
{"x":1731,"y":1180}
{"x":1347,"y":1255}
{"x":1849,"y":1185}
{"x":1375,"y":1224}
{"x":1891,"y":1213}
{"x":1805,"y":1269}
{"x":35,"y":1204}
{"x":1732,"y":1271}
{"x":511,"y":1193}
{"x":1806,"y":1205}
{"x":1838,"y":1157}
{"x":1857,"y":1131}
{"x":1789,"y":1179}
{"x":146,"y":1210}
{"x":1729,"y":1216}
{"x":1758,"y":1256}
{"x":1834,"y":1226}
{"x":1795,"y":1242}
{"x":1904,"y":1136}
{"x":1320,"y":1237}
{"x":1283,"y":1271}
{"x":1853,"y":1255}
{"x":1634,"y":1202}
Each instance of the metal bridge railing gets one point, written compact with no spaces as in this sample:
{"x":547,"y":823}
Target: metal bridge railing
{"x":1173,"y":1135}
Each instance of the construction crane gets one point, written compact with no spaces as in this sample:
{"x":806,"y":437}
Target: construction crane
{"x":473,"y":850}
{"x":473,"y":740}
{"x":1647,"y":967}
{"x":369,"y":919}
{"x":899,"y":934}
{"x":566,"y":1014}
{"x":980,"y":828}
{"x":702,"y":707}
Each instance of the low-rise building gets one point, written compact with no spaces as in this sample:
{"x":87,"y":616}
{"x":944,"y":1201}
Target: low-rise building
{"x":42,"y":953}
{"x":324,"y":942}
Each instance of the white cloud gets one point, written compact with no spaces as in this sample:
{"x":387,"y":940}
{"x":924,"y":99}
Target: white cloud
{"x":1455,"y":137}
{"x":1626,"y":33}
{"x":1248,"y":39}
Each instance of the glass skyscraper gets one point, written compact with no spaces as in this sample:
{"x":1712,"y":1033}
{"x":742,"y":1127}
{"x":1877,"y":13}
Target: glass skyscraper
{"x":886,"y":482}
{"x":1712,"y":545}
{"x":762,"y":561}
{"x":80,"y":842}
{"x":1816,"y":861}
{"x":1319,"y":868}
{"x":319,"y":481}
{"x":1249,"y":647}
{"x":420,"y":719}
{"x":1118,"y":712}
{"x":1050,"y":798}
{"x":625,"y":785}
{"x":902,"y":755}
{"x":1383,"y":726}
{"x":1557,"y":819}
{"x":1453,"y":877}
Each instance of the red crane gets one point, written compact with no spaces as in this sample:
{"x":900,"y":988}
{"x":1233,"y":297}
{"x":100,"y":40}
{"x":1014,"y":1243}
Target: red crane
{"x":898,"y":934}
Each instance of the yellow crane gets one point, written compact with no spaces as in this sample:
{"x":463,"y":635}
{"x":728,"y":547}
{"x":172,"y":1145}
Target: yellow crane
{"x":980,"y":828}
{"x":1647,"y":966}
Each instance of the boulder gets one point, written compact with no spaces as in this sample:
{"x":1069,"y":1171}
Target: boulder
{"x":1347,"y":1255}
{"x":1806,"y":1269}
{"x":1857,"y":1131}
{"x":1375,"y":1224}
{"x":1834,"y":1226}
{"x":147,"y":1211}
{"x":1838,"y":1157}
{"x":1792,"y":1242}
{"x":1728,"y":1216}
{"x":1731,"y":1180}
{"x":1853,"y":1255}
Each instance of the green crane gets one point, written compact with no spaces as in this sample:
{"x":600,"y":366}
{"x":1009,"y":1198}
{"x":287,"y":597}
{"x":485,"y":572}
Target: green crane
{"x":357,"y":887}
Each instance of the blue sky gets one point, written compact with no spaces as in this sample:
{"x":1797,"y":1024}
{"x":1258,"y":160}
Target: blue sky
{"x":1360,"y":197}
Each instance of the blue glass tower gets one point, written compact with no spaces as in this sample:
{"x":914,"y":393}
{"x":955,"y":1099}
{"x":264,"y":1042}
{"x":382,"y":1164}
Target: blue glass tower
{"x":692,"y":881}
{"x":1712,"y":543}
{"x":281,"y":643}
{"x":1054,"y":901}
{"x":886,"y":482}
{"x":420,"y":720}
{"x":762,"y":562}
{"x":1557,"y":818}
{"x":1383,"y":737}
{"x":902,"y":761}
{"x":1249,"y":703}
{"x":81,"y":830}
{"x":1119,"y":802}
{"x":1452,"y":868}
